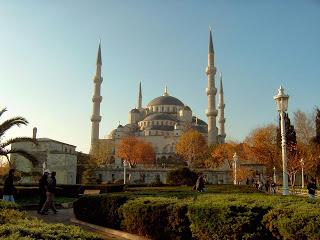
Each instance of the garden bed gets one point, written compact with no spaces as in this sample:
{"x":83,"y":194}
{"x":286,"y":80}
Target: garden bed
{"x":223,"y":212}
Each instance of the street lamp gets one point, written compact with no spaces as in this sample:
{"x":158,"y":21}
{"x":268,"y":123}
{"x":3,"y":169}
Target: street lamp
{"x":235,"y":163}
{"x":274,"y":175}
{"x":282,"y":106}
{"x":125,"y":164}
{"x":302,"y":175}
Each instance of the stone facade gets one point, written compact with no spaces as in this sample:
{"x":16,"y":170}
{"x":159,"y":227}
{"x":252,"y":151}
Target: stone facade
{"x":57,"y":156}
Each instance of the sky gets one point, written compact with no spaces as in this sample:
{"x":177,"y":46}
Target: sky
{"x":48,"y":52}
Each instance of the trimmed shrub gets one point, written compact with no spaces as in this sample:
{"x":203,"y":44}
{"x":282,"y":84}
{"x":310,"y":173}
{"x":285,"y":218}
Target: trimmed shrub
{"x":182,"y":176}
{"x":157,"y":218}
{"x":228,"y":217}
{"x":8,"y":205}
{"x":295,"y":221}
{"x":100,"y":209}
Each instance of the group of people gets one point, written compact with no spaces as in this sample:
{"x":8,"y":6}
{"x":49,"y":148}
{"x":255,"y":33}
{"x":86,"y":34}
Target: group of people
{"x":269,"y":186}
{"x":47,"y":189}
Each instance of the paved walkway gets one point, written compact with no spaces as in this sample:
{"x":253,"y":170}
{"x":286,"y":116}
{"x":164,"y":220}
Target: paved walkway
{"x":64,"y":216}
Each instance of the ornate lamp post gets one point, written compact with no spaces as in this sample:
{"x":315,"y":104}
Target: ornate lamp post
{"x":235,"y":166}
{"x":302,"y":175}
{"x":282,"y":106}
{"x":125,"y":164}
{"x":274,"y":175}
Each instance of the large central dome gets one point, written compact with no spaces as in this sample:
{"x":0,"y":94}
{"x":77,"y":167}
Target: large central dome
{"x":165,"y":100}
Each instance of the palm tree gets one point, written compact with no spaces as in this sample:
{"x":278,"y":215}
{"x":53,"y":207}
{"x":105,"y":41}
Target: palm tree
{"x":4,"y":127}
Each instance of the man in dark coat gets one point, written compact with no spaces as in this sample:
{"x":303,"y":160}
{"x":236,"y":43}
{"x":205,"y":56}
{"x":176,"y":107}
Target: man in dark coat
{"x":43,"y":185}
{"x":312,"y":188}
{"x":8,"y":188}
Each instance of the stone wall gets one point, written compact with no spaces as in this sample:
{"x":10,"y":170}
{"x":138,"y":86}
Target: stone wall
{"x":140,"y":175}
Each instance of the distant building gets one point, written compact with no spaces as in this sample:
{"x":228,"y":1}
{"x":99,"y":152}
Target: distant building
{"x":53,"y":155}
{"x":163,"y":120}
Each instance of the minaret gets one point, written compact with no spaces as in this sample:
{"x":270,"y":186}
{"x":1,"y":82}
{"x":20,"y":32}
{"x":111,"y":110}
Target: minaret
{"x":211,"y":93}
{"x":96,"y":99}
{"x":140,"y":97}
{"x":222,"y":120}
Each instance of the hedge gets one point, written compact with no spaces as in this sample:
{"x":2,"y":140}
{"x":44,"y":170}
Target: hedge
{"x":100,"y":209}
{"x":157,"y":218}
{"x":203,"y":216}
{"x":182,"y":176}
{"x":15,"y":224}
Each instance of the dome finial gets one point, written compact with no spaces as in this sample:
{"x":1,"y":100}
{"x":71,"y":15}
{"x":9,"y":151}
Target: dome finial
{"x":165,"y":91}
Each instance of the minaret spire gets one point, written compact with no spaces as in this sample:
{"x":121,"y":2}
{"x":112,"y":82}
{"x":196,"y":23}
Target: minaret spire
{"x":222,"y":120}
{"x":140,"y":97}
{"x":211,"y":93}
{"x":165,"y":91}
{"x":96,"y":99}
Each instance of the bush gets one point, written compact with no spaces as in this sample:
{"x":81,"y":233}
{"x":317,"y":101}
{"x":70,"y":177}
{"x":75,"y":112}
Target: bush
{"x":100,"y":209}
{"x":182,"y":176}
{"x":296,"y":221}
{"x":228,"y":218}
{"x":157,"y":218}
{"x":15,"y":224}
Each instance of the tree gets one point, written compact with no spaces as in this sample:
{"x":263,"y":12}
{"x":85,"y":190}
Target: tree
{"x":192,"y":146}
{"x":4,"y":144}
{"x":102,"y":152}
{"x":243,"y":173}
{"x":304,"y":127}
{"x":135,"y":151}
{"x":262,"y":146}
{"x":219,"y":154}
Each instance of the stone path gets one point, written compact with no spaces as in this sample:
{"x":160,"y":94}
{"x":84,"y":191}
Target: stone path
{"x":64,"y":216}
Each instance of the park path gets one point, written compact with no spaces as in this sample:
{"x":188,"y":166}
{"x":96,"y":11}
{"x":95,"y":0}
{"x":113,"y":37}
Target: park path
{"x":64,"y":216}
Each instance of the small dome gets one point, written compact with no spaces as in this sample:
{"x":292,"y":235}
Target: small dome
{"x":187,"y":108}
{"x":165,"y":100}
{"x":134,"y":110}
{"x":159,"y":116}
{"x":120,"y":126}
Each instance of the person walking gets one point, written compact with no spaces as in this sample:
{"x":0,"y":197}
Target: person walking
{"x":200,"y":184}
{"x":273,"y":187}
{"x":43,"y":185}
{"x":8,"y":188}
{"x":51,"y":189}
{"x":312,"y":186}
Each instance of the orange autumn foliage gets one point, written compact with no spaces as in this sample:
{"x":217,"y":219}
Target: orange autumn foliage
{"x":192,"y":146}
{"x":135,"y":151}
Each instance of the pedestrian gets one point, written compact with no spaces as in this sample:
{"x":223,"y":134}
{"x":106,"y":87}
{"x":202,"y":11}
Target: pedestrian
{"x":43,"y":185}
{"x":51,"y":189}
{"x":312,"y":186}
{"x":273,"y":187}
{"x":8,"y":188}
{"x":267,"y":186}
{"x":200,"y":184}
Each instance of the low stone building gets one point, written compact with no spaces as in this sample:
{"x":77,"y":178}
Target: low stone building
{"x":52,"y":154}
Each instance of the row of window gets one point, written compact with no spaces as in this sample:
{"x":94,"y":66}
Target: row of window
{"x":163,"y":109}
{"x":156,"y":123}
{"x":160,"y":133}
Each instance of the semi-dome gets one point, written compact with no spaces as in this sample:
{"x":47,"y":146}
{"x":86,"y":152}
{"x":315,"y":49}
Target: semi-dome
{"x":165,"y":100}
{"x":159,"y":116}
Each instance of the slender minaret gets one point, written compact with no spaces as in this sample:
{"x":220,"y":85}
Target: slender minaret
{"x":96,"y":99}
{"x":221,"y":107}
{"x":211,"y":93}
{"x":140,"y":97}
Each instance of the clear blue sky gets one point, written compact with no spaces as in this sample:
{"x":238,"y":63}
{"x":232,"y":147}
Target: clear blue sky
{"x":48,"y":51}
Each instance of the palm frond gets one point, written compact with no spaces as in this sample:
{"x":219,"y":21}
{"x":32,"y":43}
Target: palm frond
{"x":16,"y":121}
{"x":2,"y":111}
{"x":25,"y":154}
{"x":17,"y":140}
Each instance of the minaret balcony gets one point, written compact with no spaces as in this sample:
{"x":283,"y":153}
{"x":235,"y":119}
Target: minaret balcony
{"x":221,"y":106}
{"x":223,"y":120}
{"x":211,"y":91}
{"x":95,"y":118}
{"x":211,"y":70}
{"x":96,"y":99}
{"x":212,"y":113}
{"x":98,"y":79}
